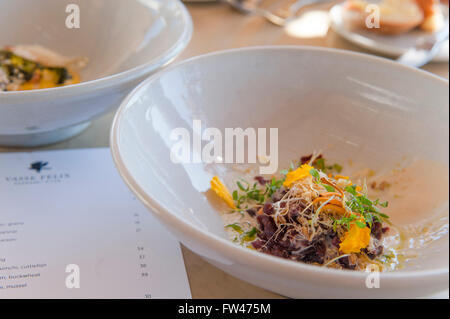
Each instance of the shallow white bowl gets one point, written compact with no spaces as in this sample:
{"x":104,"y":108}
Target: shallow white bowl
{"x":375,"y":110}
{"x":125,"y":41}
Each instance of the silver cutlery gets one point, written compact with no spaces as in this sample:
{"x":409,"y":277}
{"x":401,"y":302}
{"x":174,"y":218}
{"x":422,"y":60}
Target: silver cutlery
{"x":252,"y":7}
{"x":426,"y":49}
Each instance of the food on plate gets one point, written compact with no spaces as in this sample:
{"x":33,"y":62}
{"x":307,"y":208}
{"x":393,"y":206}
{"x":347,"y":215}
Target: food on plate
{"x":310,"y":213}
{"x":396,"y":16}
{"x":30,"y":67}
{"x":314,"y":214}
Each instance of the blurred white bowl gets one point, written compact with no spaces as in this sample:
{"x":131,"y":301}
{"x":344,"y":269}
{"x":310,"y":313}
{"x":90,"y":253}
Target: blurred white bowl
{"x":370,"y":109}
{"x":125,"y":41}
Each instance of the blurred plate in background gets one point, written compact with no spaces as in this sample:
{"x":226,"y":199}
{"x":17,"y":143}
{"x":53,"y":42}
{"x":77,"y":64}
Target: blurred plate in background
{"x":388,"y":45}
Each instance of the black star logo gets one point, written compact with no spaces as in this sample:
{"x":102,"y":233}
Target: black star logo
{"x":38,"y":166}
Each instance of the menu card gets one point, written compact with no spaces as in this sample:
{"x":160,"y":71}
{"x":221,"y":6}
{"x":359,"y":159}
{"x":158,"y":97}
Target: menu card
{"x":70,"y":228}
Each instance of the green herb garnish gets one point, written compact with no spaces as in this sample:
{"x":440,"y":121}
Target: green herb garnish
{"x":250,"y":235}
{"x":315,"y":174}
{"x":319,"y":163}
{"x":328,"y":188}
{"x":363,"y":206}
{"x":235,"y":227}
{"x":254,"y":193}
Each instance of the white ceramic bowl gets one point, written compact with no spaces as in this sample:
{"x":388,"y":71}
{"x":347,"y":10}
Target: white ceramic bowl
{"x":125,"y":41}
{"x":375,"y":110}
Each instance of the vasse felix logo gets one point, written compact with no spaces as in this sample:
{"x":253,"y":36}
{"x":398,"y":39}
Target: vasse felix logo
{"x":39,"y":166}
{"x":39,"y":172}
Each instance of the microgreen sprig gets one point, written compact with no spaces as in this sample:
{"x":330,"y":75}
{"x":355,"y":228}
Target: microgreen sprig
{"x":244,"y":237}
{"x":235,"y":227}
{"x":254,"y":193}
{"x":316,"y":178}
{"x":367,"y":209}
{"x":250,"y":235}
{"x":320,"y":164}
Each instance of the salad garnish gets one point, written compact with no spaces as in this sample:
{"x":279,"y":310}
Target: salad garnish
{"x":309,"y":213}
